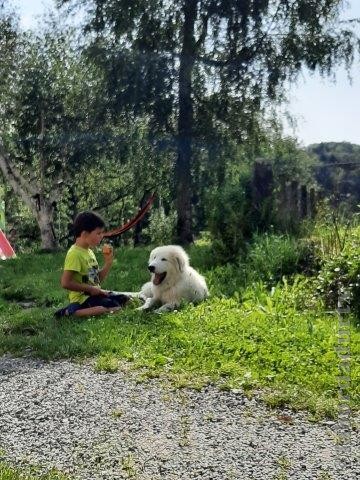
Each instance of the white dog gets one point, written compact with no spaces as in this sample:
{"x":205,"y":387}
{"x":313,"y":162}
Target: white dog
{"x":172,"y":280}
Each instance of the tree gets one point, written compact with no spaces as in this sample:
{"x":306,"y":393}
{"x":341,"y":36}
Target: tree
{"x":237,"y":53}
{"x":60,"y":150}
{"x":45,"y":119}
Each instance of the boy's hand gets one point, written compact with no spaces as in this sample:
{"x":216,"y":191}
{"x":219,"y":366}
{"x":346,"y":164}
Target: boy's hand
{"x":97,"y":291}
{"x":108,"y":253}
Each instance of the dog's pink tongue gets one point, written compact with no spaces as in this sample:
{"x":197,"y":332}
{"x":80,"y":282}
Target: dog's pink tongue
{"x":157,"y":279}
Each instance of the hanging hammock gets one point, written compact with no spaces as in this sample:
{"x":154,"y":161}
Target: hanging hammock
{"x":6,"y":250}
{"x":131,"y":223}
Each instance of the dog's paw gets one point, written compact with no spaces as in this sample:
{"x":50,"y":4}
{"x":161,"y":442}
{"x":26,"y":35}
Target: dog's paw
{"x":165,"y":309}
{"x":142,"y":309}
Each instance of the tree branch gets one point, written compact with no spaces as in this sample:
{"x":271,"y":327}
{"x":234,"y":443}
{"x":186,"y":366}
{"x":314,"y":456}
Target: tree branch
{"x":203,"y":32}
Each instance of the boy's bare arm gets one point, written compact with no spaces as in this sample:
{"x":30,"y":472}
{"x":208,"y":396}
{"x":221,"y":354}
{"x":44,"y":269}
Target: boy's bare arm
{"x":68,"y":282}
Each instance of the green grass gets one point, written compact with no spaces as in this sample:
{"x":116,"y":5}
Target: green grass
{"x":277,"y":341}
{"x":10,"y":473}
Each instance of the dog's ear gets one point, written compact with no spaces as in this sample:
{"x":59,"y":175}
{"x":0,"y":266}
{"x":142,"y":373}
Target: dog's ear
{"x":180,"y":263}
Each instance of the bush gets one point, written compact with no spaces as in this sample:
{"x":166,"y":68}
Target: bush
{"x":229,"y":221}
{"x":272,"y":256}
{"x":340,"y":274}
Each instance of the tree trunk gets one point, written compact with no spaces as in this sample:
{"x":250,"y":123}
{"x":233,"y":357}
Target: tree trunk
{"x":185,"y":126}
{"x":45,"y":219}
{"x":41,"y":207}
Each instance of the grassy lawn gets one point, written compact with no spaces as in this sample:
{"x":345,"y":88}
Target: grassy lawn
{"x":10,"y":473}
{"x":278,"y":341}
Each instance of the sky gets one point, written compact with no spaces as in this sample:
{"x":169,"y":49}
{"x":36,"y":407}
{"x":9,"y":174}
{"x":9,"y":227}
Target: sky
{"x":328,"y":110}
{"x":324,"y":109}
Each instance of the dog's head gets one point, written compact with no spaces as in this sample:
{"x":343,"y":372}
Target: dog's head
{"x":167,"y":263}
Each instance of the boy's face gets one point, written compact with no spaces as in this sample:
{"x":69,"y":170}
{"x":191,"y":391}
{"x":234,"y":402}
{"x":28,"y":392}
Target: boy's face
{"x":94,"y":237}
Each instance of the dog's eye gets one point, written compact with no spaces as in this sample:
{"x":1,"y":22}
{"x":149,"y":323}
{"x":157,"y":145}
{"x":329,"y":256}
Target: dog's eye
{"x":164,"y":260}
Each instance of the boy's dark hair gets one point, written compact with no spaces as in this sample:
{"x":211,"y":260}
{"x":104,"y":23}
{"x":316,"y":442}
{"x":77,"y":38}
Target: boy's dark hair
{"x":86,"y":221}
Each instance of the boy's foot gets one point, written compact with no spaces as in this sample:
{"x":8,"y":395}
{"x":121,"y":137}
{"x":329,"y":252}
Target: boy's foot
{"x":62,"y":312}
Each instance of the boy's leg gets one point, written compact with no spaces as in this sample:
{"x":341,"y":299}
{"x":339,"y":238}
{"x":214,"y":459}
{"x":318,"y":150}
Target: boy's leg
{"x":93,"y":306}
{"x":119,"y":299}
{"x":90,"y":311}
{"x":99,"y":305}
{"x":94,"y":311}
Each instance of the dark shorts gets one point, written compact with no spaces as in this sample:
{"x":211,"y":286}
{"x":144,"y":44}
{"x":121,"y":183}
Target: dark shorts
{"x":110,"y":301}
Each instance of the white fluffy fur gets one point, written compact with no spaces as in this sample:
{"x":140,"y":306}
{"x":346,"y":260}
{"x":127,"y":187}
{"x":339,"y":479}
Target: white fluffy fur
{"x":181,"y":282}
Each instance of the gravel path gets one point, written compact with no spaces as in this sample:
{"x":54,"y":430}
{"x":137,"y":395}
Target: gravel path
{"x":107,"y":426}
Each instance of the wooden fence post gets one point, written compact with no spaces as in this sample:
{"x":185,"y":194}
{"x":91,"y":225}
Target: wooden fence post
{"x":303,"y":201}
{"x":262,"y":194}
{"x":312,"y":203}
{"x":294,"y":200}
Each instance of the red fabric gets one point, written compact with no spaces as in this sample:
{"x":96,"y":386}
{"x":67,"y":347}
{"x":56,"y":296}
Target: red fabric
{"x":131,"y":223}
{"x":6,"y":249}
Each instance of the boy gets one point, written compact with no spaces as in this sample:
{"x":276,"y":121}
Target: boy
{"x":81,"y":275}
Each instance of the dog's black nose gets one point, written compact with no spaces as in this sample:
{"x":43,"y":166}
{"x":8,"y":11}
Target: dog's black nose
{"x":151,"y":268}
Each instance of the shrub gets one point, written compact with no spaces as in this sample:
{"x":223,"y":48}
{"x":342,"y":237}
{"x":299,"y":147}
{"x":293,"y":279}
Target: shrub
{"x":340,"y":274}
{"x":271,"y":256}
{"x":229,"y":221}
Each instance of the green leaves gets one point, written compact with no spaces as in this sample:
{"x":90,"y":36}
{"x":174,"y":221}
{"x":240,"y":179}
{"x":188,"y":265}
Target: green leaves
{"x":340,"y":273}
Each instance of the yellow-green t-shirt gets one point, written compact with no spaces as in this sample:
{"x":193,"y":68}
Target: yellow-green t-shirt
{"x":83,"y":263}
